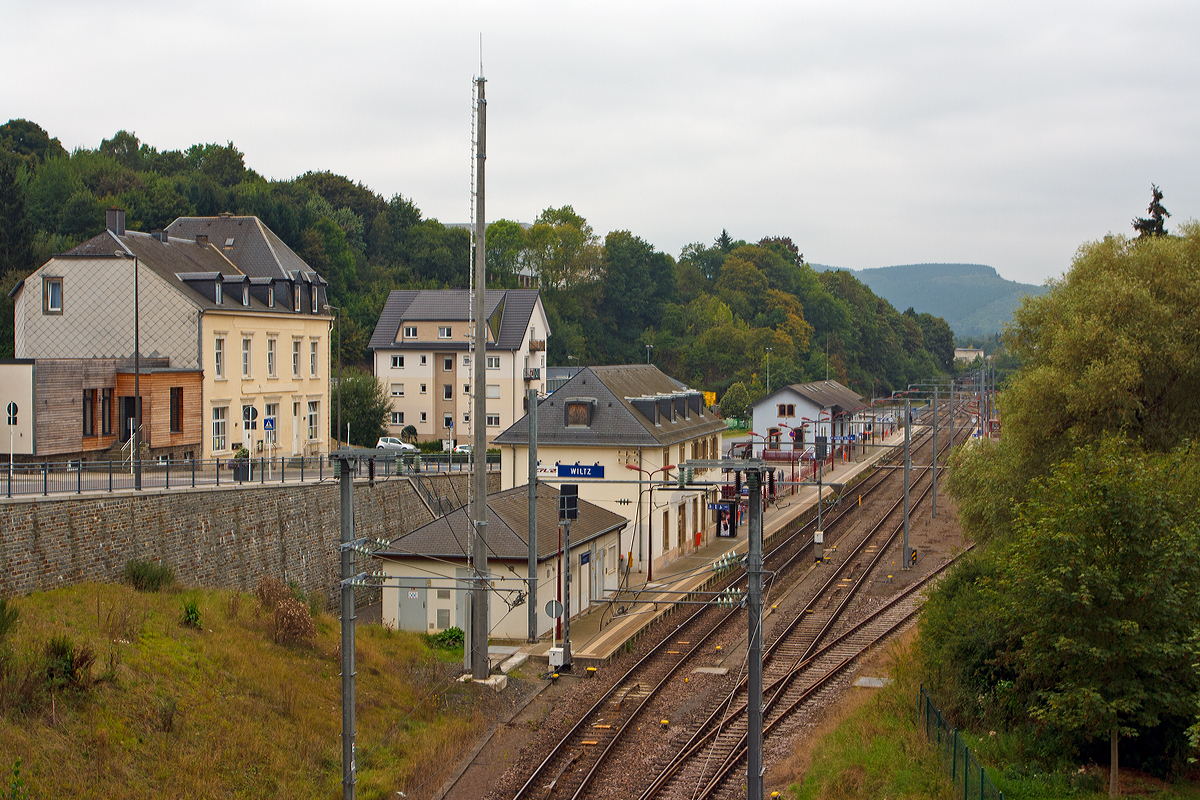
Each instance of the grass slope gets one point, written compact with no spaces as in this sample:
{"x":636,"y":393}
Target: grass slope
{"x":222,"y":711}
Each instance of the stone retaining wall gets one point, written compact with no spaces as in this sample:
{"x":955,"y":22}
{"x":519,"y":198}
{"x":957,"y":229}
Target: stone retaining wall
{"x":227,"y":537}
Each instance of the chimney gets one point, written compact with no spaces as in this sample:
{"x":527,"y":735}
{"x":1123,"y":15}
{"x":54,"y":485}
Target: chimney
{"x":114,"y":220}
{"x":202,"y":239}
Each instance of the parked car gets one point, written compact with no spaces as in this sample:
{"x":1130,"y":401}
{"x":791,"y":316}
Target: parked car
{"x":392,"y":443}
{"x":462,"y":448}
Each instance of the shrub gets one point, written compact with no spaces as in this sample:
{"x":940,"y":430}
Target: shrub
{"x":65,"y":666}
{"x":146,"y":576}
{"x":270,"y":592}
{"x":449,"y":638}
{"x":8,"y":617}
{"x":293,"y":623}
{"x":191,"y":614}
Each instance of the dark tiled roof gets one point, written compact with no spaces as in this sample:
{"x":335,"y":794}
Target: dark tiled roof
{"x":826,"y":394}
{"x":255,"y":249}
{"x":620,"y":415}
{"x":449,"y":305}
{"x":507,"y":528}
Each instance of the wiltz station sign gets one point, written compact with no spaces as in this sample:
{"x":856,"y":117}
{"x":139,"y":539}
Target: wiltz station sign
{"x":578,"y":470}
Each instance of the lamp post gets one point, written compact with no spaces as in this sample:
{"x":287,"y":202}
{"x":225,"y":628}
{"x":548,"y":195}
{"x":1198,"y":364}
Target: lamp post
{"x":649,"y":347}
{"x":137,"y":375}
{"x":339,"y":379}
{"x":820,"y":468}
{"x":649,"y":473}
{"x":769,"y":351}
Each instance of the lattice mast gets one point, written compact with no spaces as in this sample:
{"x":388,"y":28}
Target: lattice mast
{"x":479,"y":606}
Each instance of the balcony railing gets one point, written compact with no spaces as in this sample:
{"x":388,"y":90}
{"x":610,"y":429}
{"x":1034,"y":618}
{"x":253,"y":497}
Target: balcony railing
{"x":532,"y":373}
{"x":537,"y":344}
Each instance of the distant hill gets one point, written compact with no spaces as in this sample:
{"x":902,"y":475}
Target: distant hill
{"x":972,"y":298}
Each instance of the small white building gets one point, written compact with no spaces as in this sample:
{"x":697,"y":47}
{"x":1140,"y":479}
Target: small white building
{"x":791,"y":417}
{"x":428,"y":577}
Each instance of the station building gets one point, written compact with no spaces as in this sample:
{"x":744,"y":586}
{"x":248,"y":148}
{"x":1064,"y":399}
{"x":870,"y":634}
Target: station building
{"x":790,"y":418}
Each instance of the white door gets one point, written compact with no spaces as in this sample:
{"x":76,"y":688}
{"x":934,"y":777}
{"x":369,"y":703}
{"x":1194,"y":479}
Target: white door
{"x":295,"y":429}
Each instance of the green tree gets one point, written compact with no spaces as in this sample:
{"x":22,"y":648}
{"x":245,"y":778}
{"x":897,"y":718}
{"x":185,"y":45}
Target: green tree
{"x":365,"y":406}
{"x":1107,"y":592}
{"x":563,"y":251}
{"x":1152,"y":226}
{"x":29,"y":142}
{"x":736,"y":402}
{"x":505,"y":251}
{"x":16,"y":234}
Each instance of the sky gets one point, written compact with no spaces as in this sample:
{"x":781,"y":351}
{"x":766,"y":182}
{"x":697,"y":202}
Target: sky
{"x":871,"y":133}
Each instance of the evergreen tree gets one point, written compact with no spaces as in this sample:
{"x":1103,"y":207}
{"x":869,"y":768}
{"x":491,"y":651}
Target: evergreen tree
{"x":16,"y":234}
{"x":1152,"y":226}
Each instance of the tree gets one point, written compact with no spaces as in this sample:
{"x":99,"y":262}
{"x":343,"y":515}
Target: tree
{"x":1106,"y":591}
{"x":30,"y":142}
{"x":505,"y":252}
{"x":1153,"y":226}
{"x":736,"y":402}
{"x":16,"y":234}
{"x":365,"y":406}
{"x":564,"y":251}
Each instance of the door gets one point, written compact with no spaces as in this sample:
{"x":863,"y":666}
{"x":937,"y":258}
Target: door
{"x":413,"y":616}
{"x":127,"y":416}
{"x":295,"y":429}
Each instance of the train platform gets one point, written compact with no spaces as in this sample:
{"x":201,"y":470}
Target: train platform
{"x":603,"y":630}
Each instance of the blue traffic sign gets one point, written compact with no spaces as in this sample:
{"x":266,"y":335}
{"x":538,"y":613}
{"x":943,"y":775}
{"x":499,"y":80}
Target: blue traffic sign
{"x":269,"y":424}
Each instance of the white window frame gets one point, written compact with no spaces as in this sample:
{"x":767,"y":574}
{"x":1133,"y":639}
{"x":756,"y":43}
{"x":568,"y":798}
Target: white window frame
{"x":314,"y":347}
{"x":410,"y":332}
{"x":466,"y":388}
{"x":246,"y":295}
{"x":444,"y":332}
{"x":219,"y":357}
{"x":220,"y":428}
{"x":295,"y":358}
{"x":447,"y":363}
{"x":493,"y":362}
{"x":48,"y":306}
{"x":423,"y":416}
{"x":271,"y":412}
{"x":447,"y":418}
{"x":314,"y":420}
{"x":397,"y":390}
{"x":219,"y":292}
{"x":314,"y":294}
{"x":247,"y":357}
{"x":423,"y":361}
{"x":296,"y":297}
{"x":271,"y":348}
{"x":397,"y":362}
{"x":447,"y":391}
{"x":466,"y":361}
{"x":397,"y":417}
{"x":424,"y":387}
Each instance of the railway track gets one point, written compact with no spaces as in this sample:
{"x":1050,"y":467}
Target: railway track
{"x":592,"y":749}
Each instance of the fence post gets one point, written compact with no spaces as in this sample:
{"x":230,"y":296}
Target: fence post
{"x":193,"y":471}
{"x":302,"y":469}
{"x":966,"y":772}
{"x":282,"y":464}
{"x":217,"y":463}
{"x":45,"y":478}
{"x":167,"y":483}
{"x":79,"y":478}
{"x":110,"y":474}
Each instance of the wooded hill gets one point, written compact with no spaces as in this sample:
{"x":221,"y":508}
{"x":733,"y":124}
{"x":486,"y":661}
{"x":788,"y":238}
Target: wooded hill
{"x":711,"y":314}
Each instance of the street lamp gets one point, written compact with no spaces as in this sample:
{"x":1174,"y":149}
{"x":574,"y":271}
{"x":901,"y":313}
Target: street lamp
{"x":649,"y":347}
{"x":339,"y":427}
{"x":137,"y":374}
{"x":650,"y":512}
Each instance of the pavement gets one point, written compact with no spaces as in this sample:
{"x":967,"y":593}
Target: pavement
{"x":602,"y":630}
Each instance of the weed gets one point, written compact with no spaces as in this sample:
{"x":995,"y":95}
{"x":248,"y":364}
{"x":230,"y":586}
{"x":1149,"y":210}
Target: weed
{"x":146,"y":576}
{"x":293,"y":623}
{"x":67,"y":667}
{"x":16,"y":786}
{"x":8,"y":617}
{"x":269,"y":592}
{"x":191,"y":614}
{"x":167,"y":711}
{"x":124,"y":622}
{"x":288,"y":693}
{"x":234,"y":606}
{"x":447,"y":639}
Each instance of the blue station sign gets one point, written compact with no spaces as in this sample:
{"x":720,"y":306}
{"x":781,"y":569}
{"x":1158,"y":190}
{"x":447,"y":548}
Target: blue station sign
{"x":580,"y":471}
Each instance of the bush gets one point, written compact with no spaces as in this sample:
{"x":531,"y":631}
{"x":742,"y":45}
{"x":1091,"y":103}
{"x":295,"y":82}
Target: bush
{"x":8,"y":618}
{"x":447,"y":639}
{"x":191,"y":614}
{"x":146,"y":576}
{"x":270,"y":591}
{"x":293,"y":623}
{"x":65,"y":666}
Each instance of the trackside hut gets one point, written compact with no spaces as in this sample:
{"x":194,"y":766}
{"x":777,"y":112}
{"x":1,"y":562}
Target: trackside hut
{"x":428,"y":575}
{"x":605,"y":419}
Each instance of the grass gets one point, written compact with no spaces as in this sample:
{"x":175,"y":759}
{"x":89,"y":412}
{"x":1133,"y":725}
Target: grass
{"x":221,"y":710}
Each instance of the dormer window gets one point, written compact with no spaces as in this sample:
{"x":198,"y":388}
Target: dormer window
{"x":578,"y":411}
{"x":410,"y":331}
{"x":313,"y":297}
{"x":246,"y":294}
{"x":219,"y":292}
{"x":271,"y":296}
{"x":296,"y":298}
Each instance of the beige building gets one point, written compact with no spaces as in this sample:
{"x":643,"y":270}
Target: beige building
{"x":222,"y":351}
{"x":421,"y":351}
{"x":605,"y":421}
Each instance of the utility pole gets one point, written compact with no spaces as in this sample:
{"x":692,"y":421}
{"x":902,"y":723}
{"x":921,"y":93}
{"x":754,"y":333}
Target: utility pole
{"x":533,"y":572}
{"x":346,"y":485}
{"x":907,"y":467}
{"x":480,"y":667}
{"x":754,"y":754}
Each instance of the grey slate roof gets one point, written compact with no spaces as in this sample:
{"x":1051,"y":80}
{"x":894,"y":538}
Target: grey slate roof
{"x":256,"y":249}
{"x":826,"y":394}
{"x":409,"y":305}
{"x":507,"y":528}
{"x":625,"y":396}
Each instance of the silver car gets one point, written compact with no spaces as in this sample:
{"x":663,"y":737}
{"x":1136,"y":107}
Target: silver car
{"x":392,"y":443}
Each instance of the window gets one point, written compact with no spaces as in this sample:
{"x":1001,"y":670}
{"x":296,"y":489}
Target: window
{"x":444,"y":332}
{"x":271,"y":432}
{"x":493,"y":362}
{"x":89,"y":412}
{"x":443,"y":615}
{"x":271,"y":358}
{"x":245,"y":294}
{"x":219,"y":357}
{"x":786,"y":410}
{"x":397,"y":390}
{"x":271,"y":296}
{"x":313,"y":294}
{"x":448,"y":364}
{"x":397,"y":417}
{"x":423,"y":417}
{"x":423,"y":362}
{"x":219,"y":415}
{"x":447,"y":421}
{"x":312,"y":359}
{"x":296,"y":297}
{"x":176,"y":409}
{"x":218,"y":292}
{"x":410,"y":331}
{"x":666,"y":531}
{"x":492,"y":420}
{"x":466,"y":388}
{"x":466,"y":361}
{"x":245,"y":358}
{"x":106,"y":411}
{"x":397,"y":362}
{"x":443,"y":594}
{"x":422,"y":388}
{"x":314,"y":407}
{"x":493,"y":391}
{"x":447,"y":391}
{"x":295,"y":358}
{"x":51,"y":295}
{"x":579,"y":414}
{"x":466,"y":419}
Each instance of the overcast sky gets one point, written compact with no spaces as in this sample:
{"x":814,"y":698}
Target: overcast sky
{"x":872,"y":133}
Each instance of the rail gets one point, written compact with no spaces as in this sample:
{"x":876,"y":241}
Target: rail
{"x":47,"y":478}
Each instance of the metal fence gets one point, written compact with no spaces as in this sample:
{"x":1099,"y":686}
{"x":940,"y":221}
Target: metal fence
{"x":966,"y":773}
{"x":76,"y":477}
